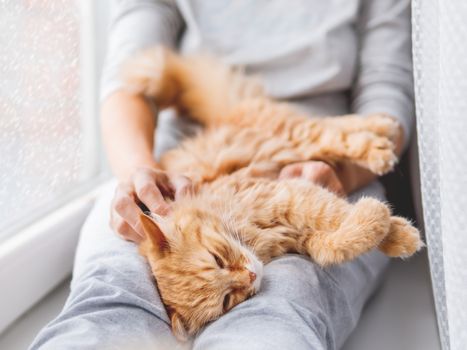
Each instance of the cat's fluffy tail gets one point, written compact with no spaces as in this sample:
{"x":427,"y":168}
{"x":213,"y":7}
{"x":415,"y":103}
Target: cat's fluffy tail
{"x":198,"y":86}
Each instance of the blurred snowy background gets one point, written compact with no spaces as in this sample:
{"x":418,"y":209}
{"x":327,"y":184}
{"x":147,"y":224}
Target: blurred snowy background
{"x":40,"y":126}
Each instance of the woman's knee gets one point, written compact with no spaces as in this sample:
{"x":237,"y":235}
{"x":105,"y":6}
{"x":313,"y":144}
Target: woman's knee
{"x":285,"y":314}
{"x":110,"y":270}
{"x":293,"y":277}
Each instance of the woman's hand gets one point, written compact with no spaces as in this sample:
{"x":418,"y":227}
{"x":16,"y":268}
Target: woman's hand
{"x":149,"y":187}
{"x":315,"y":171}
{"x":128,"y":125}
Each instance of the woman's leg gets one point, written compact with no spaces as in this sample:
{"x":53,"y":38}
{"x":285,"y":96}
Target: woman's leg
{"x":113,"y":303}
{"x":300,"y":305}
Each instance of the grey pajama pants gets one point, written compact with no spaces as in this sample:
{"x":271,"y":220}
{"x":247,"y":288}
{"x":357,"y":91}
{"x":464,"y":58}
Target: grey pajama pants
{"x":113,"y":303}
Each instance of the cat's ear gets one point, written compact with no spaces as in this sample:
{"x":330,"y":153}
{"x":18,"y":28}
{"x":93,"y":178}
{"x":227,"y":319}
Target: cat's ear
{"x":154,"y":234}
{"x":178,"y":327}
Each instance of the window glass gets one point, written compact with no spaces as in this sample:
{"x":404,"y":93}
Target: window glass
{"x":41,"y":124}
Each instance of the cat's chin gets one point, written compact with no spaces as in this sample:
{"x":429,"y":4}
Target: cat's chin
{"x":255,"y":266}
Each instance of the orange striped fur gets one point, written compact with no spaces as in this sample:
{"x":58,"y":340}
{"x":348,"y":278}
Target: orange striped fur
{"x":207,"y":255}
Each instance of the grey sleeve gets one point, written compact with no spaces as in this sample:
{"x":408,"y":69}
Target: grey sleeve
{"x":136,"y":25}
{"x":384,"y":81}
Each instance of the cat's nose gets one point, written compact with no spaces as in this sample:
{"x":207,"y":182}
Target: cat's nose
{"x":252,"y":277}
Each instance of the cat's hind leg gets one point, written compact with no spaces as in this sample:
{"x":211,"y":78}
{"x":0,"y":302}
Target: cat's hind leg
{"x":364,"y":227}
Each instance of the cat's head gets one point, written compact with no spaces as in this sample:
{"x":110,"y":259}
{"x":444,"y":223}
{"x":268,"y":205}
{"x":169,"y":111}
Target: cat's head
{"x":201,"y":270}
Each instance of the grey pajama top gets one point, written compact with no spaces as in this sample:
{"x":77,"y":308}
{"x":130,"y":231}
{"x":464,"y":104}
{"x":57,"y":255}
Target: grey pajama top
{"x":328,"y":57}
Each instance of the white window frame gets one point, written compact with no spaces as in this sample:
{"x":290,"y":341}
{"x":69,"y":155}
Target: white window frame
{"x":37,"y":258}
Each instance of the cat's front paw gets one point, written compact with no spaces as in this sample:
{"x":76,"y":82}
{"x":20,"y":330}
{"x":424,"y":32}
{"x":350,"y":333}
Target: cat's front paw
{"x":383,"y":125}
{"x":371,"y":151}
{"x":403,"y":239}
{"x":381,"y":157}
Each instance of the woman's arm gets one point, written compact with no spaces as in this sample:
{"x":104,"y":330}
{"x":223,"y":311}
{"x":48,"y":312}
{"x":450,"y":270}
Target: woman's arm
{"x":384,"y":80}
{"x":128,"y":125}
{"x":128,"y":134}
{"x":128,"y":121}
{"x":136,"y":25}
{"x":383,"y":84}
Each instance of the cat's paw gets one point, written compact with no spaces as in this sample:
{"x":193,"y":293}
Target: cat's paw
{"x":365,"y":227}
{"x":383,"y":125}
{"x":381,"y":157}
{"x":403,"y":239}
{"x":371,"y":151}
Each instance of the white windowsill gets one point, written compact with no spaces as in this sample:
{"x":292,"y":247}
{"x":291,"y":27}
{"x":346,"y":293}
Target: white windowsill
{"x":35,"y":260}
{"x":21,"y":333}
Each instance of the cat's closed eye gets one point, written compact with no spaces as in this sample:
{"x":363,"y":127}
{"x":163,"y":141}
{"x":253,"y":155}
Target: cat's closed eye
{"x":226,"y":302}
{"x":219,"y":261}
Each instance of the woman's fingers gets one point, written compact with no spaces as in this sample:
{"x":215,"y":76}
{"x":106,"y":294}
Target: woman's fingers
{"x":335,"y":185}
{"x":324,"y":175}
{"x":317,"y":172}
{"x":125,"y":206}
{"x":147,"y":190}
{"x":123,"y":229}
{"x":181,"y":185}
{"x":291,"y":170}
{"x":149,"y":187}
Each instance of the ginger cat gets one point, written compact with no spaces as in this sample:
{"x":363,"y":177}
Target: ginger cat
{"x":207,"y":255}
